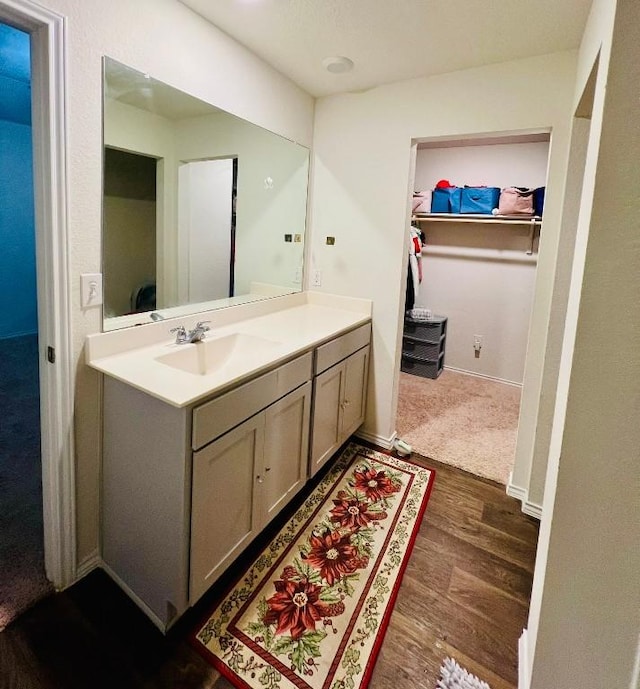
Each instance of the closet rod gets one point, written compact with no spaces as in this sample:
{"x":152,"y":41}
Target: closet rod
{"x":493,"y":255}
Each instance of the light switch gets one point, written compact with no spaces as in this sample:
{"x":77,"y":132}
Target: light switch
{"x":90,"y":290}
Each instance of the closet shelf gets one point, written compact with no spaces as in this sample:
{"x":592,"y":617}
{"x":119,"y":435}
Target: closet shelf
{"x":532,"y":222}
{"x":482,"y":218}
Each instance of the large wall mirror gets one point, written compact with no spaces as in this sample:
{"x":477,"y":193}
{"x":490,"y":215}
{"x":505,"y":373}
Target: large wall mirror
{"x":201,"y":209}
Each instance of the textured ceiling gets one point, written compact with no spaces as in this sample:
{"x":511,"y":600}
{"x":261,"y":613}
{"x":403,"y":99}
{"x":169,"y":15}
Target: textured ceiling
{"x":392,"y":40}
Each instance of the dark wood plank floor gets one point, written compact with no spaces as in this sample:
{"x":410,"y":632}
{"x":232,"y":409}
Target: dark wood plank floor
{"x":465,"y":594}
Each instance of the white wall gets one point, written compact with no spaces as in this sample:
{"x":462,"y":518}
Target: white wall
{"x":585,"y":612}
{"x":494,"y":165}
{"x":167,"y":40}
{"x":480,"y":275}
{"x":362,"y":178}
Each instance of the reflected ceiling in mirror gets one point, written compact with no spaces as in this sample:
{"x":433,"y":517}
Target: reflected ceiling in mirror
{"x":201,"y":209}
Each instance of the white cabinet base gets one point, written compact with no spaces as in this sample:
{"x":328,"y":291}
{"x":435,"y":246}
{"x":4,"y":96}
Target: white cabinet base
{"x":185,"y":490}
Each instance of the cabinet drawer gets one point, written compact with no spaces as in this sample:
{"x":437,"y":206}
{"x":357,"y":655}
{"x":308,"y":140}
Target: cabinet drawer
{"x":331,"y":353}
{"x":212,"y":419}
{"x":421,"y":349}
{"x":428,"y":331}
{"x":422,"y":367}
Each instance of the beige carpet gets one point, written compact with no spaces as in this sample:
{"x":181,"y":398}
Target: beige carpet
{"x":462,"y":420}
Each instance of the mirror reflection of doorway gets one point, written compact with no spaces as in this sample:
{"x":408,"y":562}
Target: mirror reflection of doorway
{"x":130,"y":212}
{"x":207,"y":222}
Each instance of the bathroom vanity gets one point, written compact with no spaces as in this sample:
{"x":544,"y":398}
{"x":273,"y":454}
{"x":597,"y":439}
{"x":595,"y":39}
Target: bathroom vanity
{"x":204,"y":444}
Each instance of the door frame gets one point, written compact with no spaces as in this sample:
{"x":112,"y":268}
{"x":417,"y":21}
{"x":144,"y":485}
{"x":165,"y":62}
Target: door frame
{"x":49,"y":131}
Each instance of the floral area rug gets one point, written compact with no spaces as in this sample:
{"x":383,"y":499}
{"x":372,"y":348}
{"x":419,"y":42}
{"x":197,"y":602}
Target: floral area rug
{"x":312,"y":609}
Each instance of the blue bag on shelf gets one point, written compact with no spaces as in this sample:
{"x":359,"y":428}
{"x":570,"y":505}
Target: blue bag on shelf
{"x":538,"y":200}
{"x":481,"y":200}
{"x":446,"y":200}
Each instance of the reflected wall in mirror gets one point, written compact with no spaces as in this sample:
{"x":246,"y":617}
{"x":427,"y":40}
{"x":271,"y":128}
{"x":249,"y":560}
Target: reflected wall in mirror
{"x":201,"y":209}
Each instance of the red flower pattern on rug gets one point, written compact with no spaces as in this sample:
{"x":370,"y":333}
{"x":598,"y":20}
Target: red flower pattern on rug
{"x":295,"y":607}
{"x":333,"y":555}
{"x":353,"y":513}
{"x":376,"y":485}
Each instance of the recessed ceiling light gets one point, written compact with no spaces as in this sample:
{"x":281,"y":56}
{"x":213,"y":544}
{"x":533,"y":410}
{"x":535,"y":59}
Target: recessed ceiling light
{"x":338,"y":64}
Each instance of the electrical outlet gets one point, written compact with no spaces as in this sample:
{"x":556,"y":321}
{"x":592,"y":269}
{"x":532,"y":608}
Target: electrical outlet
{"x":90,"y":290}
{"x":317,"y":278}
{"x":297,"y":278}
{"x":297,"y":237}
{"x":477,"y":342}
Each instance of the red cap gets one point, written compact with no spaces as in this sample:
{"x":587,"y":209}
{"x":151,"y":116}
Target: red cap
{"x":443,"y":183}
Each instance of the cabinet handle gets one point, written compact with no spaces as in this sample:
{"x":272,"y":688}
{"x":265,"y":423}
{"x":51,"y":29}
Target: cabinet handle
{"x":267,"y":469}
{"x":259,"y":479}
{"x":347,"y":403}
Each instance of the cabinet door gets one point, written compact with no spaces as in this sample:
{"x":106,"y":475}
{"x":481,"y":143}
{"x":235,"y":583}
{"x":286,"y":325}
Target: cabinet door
{"x":355,"y":391}
{"x":286,"y":451}
{"x":327,"y":416}
{"x":223,"y":514}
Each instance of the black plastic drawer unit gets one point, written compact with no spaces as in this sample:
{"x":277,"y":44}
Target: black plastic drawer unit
{"x":423,"y":346}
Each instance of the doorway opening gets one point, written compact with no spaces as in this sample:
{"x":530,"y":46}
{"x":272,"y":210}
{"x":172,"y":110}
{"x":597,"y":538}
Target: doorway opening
{"x":46,"y":33}
{"x":470,"y":288}
{"x":129,"y":215}
{"x":22,"y":560}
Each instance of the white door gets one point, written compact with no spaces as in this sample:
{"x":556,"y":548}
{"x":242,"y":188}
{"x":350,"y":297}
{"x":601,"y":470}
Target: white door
{"x":355,"y":391}
{"x":286,"y":450}
{"x":223,"y":515}
{"x":327,"y":416}
{"x":204,"y":218}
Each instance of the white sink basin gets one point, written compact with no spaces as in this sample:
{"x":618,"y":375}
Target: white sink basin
{"x":212,"y":355}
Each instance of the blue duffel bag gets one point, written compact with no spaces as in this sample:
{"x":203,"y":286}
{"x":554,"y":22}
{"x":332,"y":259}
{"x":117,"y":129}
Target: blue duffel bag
{"x":481,"y":200}
{"x":446,"y":200}
{"x":538,"y":200}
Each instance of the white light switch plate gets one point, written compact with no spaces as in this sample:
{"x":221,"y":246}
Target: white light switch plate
{"x":90,"y":290}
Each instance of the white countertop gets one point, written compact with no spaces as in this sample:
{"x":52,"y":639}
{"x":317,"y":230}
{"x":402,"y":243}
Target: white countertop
{"x":302,"y":324}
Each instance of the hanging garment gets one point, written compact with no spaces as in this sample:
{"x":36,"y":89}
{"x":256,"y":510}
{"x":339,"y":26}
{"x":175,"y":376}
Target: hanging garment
{"x":415,"y":257}
{"x":410,"y":297}
{"x":414,"y":274}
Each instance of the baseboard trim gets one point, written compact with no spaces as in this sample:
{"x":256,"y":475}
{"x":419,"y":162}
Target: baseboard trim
{"x":532,"y":509}
{"x":523,"y":660}
{"x":376,"y":439}
{"x":88,"y":564}
{"x":519,"y":493}
{"x":516,"y":491}
{"x":483,"y":375}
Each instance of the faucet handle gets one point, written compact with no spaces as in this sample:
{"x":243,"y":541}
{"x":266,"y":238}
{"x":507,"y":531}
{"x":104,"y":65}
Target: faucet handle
{"x":203,"y":325}
{"x":181,"y":334}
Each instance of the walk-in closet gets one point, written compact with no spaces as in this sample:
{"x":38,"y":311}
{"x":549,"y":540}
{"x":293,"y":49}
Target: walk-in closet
{"x":470,"y":290}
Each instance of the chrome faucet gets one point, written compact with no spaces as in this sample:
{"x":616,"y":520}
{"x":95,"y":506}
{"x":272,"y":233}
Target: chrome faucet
{"x":195,"y":335}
